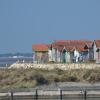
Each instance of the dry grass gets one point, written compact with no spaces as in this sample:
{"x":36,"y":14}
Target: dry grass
{"x":27,"y":78}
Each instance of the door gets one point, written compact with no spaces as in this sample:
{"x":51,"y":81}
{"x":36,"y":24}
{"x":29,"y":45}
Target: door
{"x":64,"y":56}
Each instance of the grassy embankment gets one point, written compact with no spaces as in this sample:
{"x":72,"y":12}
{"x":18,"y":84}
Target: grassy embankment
{"x":27,"y":78}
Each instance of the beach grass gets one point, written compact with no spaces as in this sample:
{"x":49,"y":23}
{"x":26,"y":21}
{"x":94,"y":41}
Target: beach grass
{"x":30,"y":78}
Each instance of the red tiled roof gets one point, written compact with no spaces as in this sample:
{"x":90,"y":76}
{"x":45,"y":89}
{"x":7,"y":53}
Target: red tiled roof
{"x":40,"y":47}
{"x":69,"y":48}
{"x":89,"y":44}
{"x":71,"y":44}
{"x":60,"y":48}
{"x":80,"y":48}
{"x":97,"y":42}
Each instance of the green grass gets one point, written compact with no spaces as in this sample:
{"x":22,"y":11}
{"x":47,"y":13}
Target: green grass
{"x":30,"y":78}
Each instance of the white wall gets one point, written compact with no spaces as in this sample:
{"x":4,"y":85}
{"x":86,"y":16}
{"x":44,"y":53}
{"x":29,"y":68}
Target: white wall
{"x":53,"y":55}
{"x":95,"y":53}
{"x":58,"y":56}
{"x":61,"y":57}
{"x":68,"y":57}
{"x":50,"y":55}
{"x":76,"y":54}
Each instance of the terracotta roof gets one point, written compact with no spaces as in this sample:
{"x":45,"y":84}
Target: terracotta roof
{"x":89,"y":44}
{"x":69,"y":48}
{"x":71,"y":44}
{"x":80,"y":48}
{"x":60,"y":48}
{"x":97,"y":42}
{"x":40,"y":47}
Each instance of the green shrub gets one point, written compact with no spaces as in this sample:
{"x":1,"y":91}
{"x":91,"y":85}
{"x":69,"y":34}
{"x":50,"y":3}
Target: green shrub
{"x":72,"y":79}
{"x":94,"y":77}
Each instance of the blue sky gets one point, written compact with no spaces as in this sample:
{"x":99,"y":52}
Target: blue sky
{"x":24,"y":22}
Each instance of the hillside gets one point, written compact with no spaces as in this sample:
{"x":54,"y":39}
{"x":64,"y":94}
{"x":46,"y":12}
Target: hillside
{"x":30,"y":77}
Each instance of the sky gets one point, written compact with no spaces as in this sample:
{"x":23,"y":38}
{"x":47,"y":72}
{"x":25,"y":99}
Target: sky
{"x":26,"y":22}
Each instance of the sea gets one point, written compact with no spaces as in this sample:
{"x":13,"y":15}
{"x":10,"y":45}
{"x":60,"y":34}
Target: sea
{"x":7,"y":61}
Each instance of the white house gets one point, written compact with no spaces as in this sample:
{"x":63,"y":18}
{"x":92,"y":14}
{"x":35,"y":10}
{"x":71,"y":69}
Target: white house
{"x":96,"y":50}
{"x":66,"y":51}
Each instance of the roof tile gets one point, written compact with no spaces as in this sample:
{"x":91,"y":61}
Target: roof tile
{"x":71,"y":44}
{"x":40,"y":47}
{"x":97,"y":43}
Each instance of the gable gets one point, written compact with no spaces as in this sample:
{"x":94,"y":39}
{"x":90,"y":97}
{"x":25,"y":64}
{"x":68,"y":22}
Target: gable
{"x":97,"y":42}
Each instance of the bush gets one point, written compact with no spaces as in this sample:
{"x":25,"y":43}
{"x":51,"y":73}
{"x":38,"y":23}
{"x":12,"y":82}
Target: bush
{"x":86,"y":74}
{"x":40,"y":79}
{"x":94,"y":77}
{"x":23,"y":78}
{"x":72,"y":79}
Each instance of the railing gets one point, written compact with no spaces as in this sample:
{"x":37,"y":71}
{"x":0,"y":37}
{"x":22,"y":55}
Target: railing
{"x":49,"y":95}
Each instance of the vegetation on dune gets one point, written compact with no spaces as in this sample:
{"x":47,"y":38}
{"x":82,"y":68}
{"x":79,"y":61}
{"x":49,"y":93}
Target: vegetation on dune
{"x":27,"y":78}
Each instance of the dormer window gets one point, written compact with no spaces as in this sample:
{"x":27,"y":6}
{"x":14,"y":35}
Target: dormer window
{"x":98,"y":50}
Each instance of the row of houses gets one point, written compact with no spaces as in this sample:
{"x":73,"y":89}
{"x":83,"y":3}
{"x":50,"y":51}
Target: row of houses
{"x":67,"y":51}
